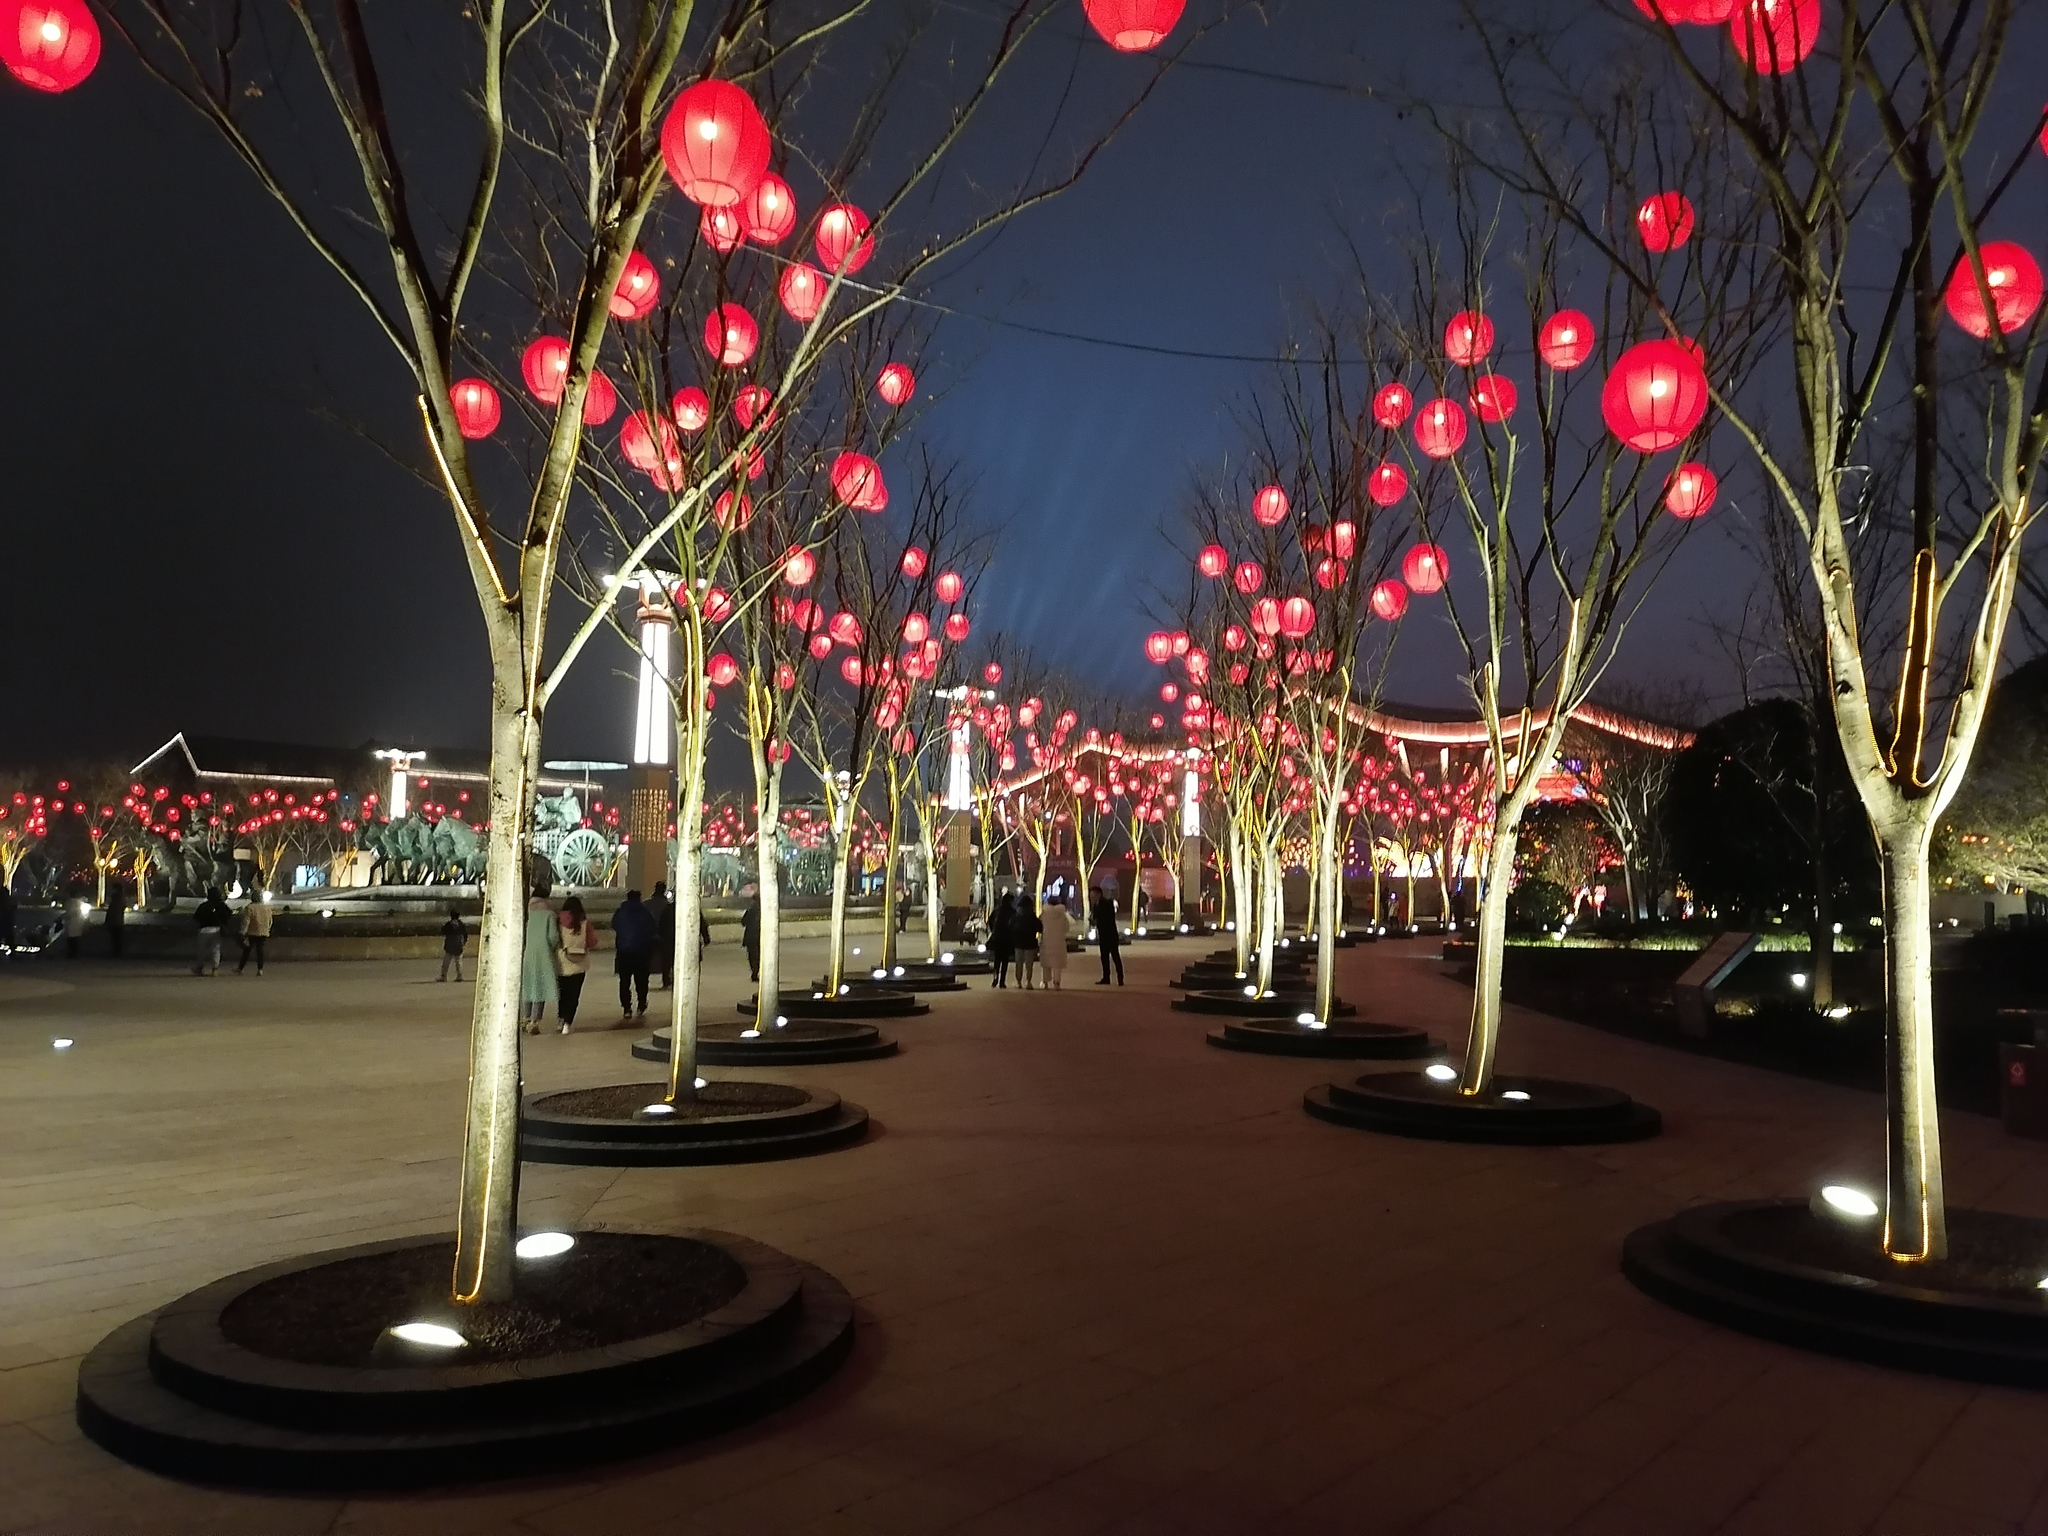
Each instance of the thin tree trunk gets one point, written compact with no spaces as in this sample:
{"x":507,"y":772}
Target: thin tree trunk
{"x":927,"y":831}
{"x":1241,"y":878}
{"x":1326,"y":915}
{"x":768,"y":867}
{"x":889,"y":866}
{"x":1271,"y":914}
{"x":1491,"y":940}
{"x":842,"y":861}
{"x":1916,"y":1225}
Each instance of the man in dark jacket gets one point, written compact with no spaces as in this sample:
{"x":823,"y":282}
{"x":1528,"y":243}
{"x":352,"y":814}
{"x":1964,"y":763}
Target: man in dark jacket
{"x":663,"y":906}
{"x":212,"y":917}
{"x":750,"y":935}
{"x":633,"y":944}
{"x":1107,"y":939}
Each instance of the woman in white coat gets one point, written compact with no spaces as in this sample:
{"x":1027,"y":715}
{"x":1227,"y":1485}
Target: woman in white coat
{"x":1052,"y":944}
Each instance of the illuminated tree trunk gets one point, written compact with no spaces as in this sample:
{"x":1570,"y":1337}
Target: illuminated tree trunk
{"x":1270,"y":912}
{"x":842,"y":862}
{"x":888,"y":951}
{"x":1484,"y":1039}
{"x":692,"y":727}
{"x":1326,"y":913}
{"x":768,"y":870}
{"x":1915,"y":1222}
{"x":1242,"y":893}
{"x":927,"y":834}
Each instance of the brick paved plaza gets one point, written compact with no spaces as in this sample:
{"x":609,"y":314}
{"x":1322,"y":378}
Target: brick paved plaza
{"x":1109,"y":1279}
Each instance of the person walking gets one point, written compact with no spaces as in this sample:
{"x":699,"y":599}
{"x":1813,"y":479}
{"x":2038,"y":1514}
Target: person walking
{"x":454,"y":936}
{"x":633,"y":953}
{"x":117,"y":916}
{"x":663,"y":906}
{"x":1026,"y":927}
{"x":212,"y":917}
{"x":1107,"y":939}
{"x":750,"y":935}
{"x":579,"y":938}
{"x":1002,"y":943}
{"x":256,"y":920}
{"x":537,"y":982}
{"x":77,"y":916}
{"x":1055,"y":923}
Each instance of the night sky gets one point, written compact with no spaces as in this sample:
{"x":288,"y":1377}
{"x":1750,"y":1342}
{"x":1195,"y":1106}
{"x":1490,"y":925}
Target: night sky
{"x":199,"y":538}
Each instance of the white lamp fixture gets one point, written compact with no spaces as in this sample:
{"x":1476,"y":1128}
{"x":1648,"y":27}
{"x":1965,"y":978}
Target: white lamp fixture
{"x":659,"y":1109}
{"x":433,"y":1335}
{"x":543,"y":1245}
{"x":1516,"y":1094}
{"x":1437,"y":1072}
{"x":62,"y":1043}
{"x":1850,"y":1202}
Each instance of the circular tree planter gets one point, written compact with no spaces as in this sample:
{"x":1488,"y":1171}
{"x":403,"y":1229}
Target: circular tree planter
{"x":1781,"y":1270}
{"x":903,"y":978}
{"x":1275,"y":1005}
{"x":1350,"y":1041}
{"x":284,"y":1376}
{"x":620,"y":1125}
{"x":1554,"y":1113}
{"x":853,"y":1003}
{"x":1213,"y":978}
{"x":799,"y":1043}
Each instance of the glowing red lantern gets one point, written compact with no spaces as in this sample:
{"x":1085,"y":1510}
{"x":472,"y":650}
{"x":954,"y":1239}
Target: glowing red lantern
{"x":1344,"y":539}
{"x":802,"y":291}
{"x":1468,"y":338}
{"x":730,"y":335}
{"x":914,"y":562}
{"x":1773,"y":36}
{"x":1690,"y":490}
{"x":851,"y":670}
{"x":476,"y":407}
{"x":600,"y":399}
{"x":1133,"y":26}
{"x":896,"y":384}
{"x":1665,"y":221}
{"x":1248,"y":577}
{"x":820,"y":646}
{"x":957,"y":627}
{"x":691,"y":408}
{"x":720,"y":229}
{"x":1329,"y":572}
{"x":1440,"y":428}
{"x":857,"y":481}
{"x":1297,"y":617}
{"x":722,"y":670}
{"x":798,"y":567}
{"x":844,"y":627}
{"x":1233,"y":637}
{"x":750,"y":402}
{"x":949,"y":586}
{"x":732,"y":514}
{"x":768,"y":213}
{"x":1213,"y":561}
{"x":1390,"y":407}
{"x":1656,"y":395}
{"x":1424,"y":568}
{"x":51,"y":45}
{"x":992,"y":673}
{"x":1493,"y":398}
{"x":1159,"y":647}
{"x":1266,"y":617}
{"x":1269,"y":507}
{"x":2014,"y":279}
{"x":785,"y":675}
{"x":718,"y":605}
{"x":915,"y":627}
{"x":1239,"y":672}
{"x":1159,"y":722}
{"x":1389,"y":600}
{"x":1168,"y":692}
{"x":639,"y":289}
{"x":715,"y":144}
{"x":646,"y":447}
{"x":545,"y":366}
{"x":1181,"y":643}
{"x":844,"y":244}
{"x":1566,"y":339}
{"x":1198,"y":664}
{"x":1387,"y":484}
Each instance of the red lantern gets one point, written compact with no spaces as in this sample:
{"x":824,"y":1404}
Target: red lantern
{"x":734,"y":514}
{"x":1387,"y":484}
{"x":915,"y":627}
{"x":718,"y":605}
{"x":730,"y":335}
{"x":1773,"y":36}
{"x":2014,"y":279}
{"x":1213,"y":561}
{"x":545,"y":366}
{"x":1493,"y":398}
{"x":1389,"y":600}
{"x":1656,"y":395}
{"x":50,"y":45}
{"x":1133,"y":26}
{"x":820,"y":646}
{"x":1168,"y":692}
{"x":715,"y":144}
{"x":1707,"y":13}
{"x":750,"y":402}
{"x":949,"y":586}
{"x":798,"y":567}
{"x":768,"y":213}
{"x":722,"y":670}
{"x":785,"y":676}
{"x":896,"y":384}
{"x":1248,"y":577}
{"x":720,"y":229}
{"x":844,"y":244}
{"x":1297,"y":617}
{"x":1239,"y":672}
{"x":1424,"y":568}
{"x":844,"y":627}
{"x":957,"y":627}
{"x":914,"y":562}
{"x":1566,"y":339}
{"x":476,"y":407}
{"x":1233,"y":637}
{"x":639,"y":289}
{"x":1329,"y":572}
{"x":639,"y":446}
{"x":1665,"y":221}
{"x":600,"y":399}
{"x":992,"y":674}
{"x":1159,"y":647}
{"x":1269,"y":507}
{"x":1198,"y":665}
{"x":1181,"y":643}
{"x":802,"y":291}
{"x":1159,"y":722}
{"x":1690,"y":490}
{"x":1440,"y":428}
{"x":1468,"y":338}
{"x":1390,"y":407}
{"x":1344,"y":539}
{"x":857,"y":481}
{"x":850,"y":669}
{"x":691,"y":408}
{"x":1266,"y":617}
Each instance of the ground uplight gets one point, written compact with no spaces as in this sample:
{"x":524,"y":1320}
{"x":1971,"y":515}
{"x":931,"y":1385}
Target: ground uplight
{"x":659,"y":1109}
{"x":1850,"y":1202}
{"x":543,"y":1245}
{"x":63,"y":1043}
{"x":1440,"y":1073}
{"x":431,"y":1334}
{"x":750,"y":1034}
{"x":1517,"y":1094}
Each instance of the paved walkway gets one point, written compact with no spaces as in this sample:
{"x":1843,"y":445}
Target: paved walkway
{"x":1110,"y":1280}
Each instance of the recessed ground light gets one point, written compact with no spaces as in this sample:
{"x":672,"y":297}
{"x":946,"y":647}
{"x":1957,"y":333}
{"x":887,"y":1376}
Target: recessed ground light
{"x":659,"y":1109}
{"x":63,"y":1043}
{"x":700,"y":1083}
{"x":430,"y":1334}
{"x":781,"y":1022}
{"x":329,"y":912}
{"x":1516,"y":1094}
{"x":543,"y":1245}
{"x":899,"y":970}
{"x":1799,"y":978}
{"x":2043,"y":1286}
{"x":1230,"y":927}
{"x":1141,"y":931}
{"x":946,"y":958}
{"x":1304,"y":1018}
{"x":1850,"y":1202}
{"x":1183,"y":927}
{"x":1840,"y":1011}
{"x":1251,"y":991}
{"x":880,"y":973}
{"x":1440,"y":1073}
{"x":856,"y":951}
{"x":816,"y":995}
{"x":844,"y":989}
{"x":750,"y":1034}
